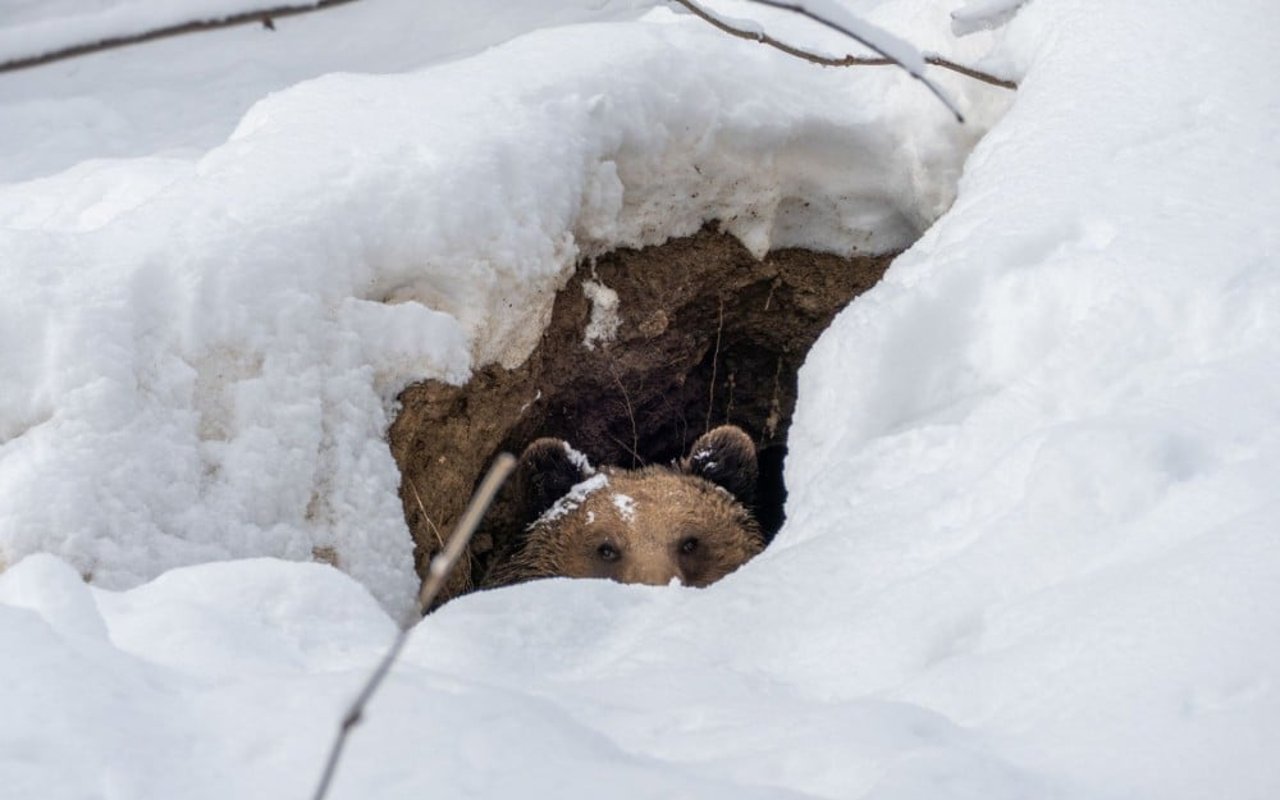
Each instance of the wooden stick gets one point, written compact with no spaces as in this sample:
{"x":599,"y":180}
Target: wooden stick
{"x":440,"y":567}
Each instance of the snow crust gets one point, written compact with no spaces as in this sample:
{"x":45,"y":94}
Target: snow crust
{"x":183,"y":96}
{"x":1030,"y":545}
{"x":202,"y":355}
{"x":979,"y":15}
{"x":1043,"y":451}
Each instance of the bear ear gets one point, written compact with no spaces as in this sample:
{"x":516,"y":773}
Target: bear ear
{"x":547,"y":470}
{"x":726,"y":456}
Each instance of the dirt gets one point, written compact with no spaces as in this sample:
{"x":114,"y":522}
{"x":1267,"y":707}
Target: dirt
{"x":707,"y":334}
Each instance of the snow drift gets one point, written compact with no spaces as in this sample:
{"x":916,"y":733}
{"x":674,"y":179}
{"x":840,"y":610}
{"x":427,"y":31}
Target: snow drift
{"x":205,"y":354}
{"x":1030,"y":549}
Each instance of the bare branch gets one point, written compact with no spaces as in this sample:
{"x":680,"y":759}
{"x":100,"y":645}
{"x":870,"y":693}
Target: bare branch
{"x":847,"y":61}
{"x":970,"y":72}
{"x":440,"y":567}
{"x":262,"y":16}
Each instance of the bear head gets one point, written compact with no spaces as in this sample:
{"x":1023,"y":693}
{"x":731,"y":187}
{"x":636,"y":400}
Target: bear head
{"x":689,"y":522}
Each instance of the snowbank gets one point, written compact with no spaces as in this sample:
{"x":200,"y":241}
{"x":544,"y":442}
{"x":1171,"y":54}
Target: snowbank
{"x":1057,"y":421}
{"x":1030,"y":549}
{"x":182,"y":96}
{"x":204,"y":355}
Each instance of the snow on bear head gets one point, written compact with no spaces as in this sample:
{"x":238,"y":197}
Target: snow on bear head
{"x":688,"y":523}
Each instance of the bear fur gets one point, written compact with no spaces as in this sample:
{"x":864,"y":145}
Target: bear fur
{"x":690,"y":522}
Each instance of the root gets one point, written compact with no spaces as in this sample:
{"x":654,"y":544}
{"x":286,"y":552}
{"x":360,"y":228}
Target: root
{"x":715,"y":360}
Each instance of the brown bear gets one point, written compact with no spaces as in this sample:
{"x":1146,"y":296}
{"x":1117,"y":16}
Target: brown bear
{"x":688,"y":523}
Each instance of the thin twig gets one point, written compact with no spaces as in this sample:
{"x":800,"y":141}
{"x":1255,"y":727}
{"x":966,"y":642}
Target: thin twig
{"x":848,"y":60}
{"x":440,"y":567}
{"x":773,"y":287}
{"x":681,"y":421}
{"x":636,"y":460}
{"x":969,"y":72}
{"x":715,"y":359}
{"x":434,"y":529}
{"x":631,"y":415}
{"x":775,"y":404}
{"x":263,"y":16}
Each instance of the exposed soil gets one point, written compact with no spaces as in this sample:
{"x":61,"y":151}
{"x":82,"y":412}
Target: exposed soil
{"x":706,"y":335}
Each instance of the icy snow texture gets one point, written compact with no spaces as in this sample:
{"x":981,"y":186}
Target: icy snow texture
{"x":1031,"y":544}
{"x":1044,"y":450}
{"x":604,"y":322}
{"x":202,"y":356}
{"x":981,"y":15}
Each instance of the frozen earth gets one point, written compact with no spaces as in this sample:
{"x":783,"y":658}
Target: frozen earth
{"x":1030,"y":548}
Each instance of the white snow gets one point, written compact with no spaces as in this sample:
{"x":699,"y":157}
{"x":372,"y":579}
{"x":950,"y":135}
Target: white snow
{"x":203,"y":355}
{"x":579,"y":460}
{"x":1030,"y":545}
{"x":36,"y":27}
{"x":576,"y":495}
{"x":183,"y":96}
{"x":626,"y":506}
{"x":602,"y":327}
{"x":742,"y":24}
{"x":981,"y":15}
{"x":838,"y":14}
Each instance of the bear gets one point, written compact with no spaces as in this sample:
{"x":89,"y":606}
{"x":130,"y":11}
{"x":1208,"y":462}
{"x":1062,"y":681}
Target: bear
{"x":688,"y":523}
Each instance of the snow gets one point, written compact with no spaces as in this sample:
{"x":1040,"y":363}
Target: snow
{"x":183,"y":96}
{"x":835,"y":17}
{"x":835,"y":13}
{"x":205,"y":354}
{"x":626,"y":506}
{"x":979,"y":15}
{"x":579,"y":460}
{"x":743,"y":24}
{"x":603,"y":325}
{"x":1030,"y":544}
{"x":576,"y":495}
{"x":36,"y":27}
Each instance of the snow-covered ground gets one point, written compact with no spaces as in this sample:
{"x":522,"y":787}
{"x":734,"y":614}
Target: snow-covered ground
{"x":1030,"y":548}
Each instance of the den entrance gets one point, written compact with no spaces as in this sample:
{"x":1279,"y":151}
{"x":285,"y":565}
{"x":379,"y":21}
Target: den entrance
{"x":701,"y":333}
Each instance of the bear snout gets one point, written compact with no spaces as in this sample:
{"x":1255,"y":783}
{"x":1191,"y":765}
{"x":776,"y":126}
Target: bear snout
{"x":651,"y":574}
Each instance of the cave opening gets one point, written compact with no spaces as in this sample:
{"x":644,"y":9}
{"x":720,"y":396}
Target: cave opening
{"x":646,"y":350}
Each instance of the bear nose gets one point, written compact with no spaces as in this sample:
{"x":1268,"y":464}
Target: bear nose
{"x":655,"y":574}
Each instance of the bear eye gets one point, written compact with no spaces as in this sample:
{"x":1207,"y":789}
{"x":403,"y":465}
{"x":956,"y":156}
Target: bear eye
{"x":690,"y":545}
{"x":608,"y":552}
